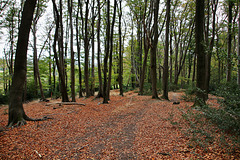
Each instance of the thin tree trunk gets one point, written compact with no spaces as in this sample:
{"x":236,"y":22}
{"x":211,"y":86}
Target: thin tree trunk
{"x":105,"y":90}
{"x":120,"y":77}
{"x":154,"y":50}
{"x":100,"y":92}
{"x":59,"y":67}
{"x":79,"y":52}
{"x":229,"y":55}
{"x":70,"y":3}
{"x":166,"y":51}
{"x":93,"y":49}
{"x":111,"y":51}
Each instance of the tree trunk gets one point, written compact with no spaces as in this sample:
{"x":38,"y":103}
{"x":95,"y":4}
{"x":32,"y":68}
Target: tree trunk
{"x":166,"y":52}
{"x":105,"y":90}
{"x":211,"y":45}
{"x":238,"y":47}
{"x":100,"y":92}
{"x":154,"y":50}
{"x":200,"y":52}
{"x":86,"y":48}
{"x":70,"y":3}
{"x":120,"y":77}
{"x":60,"y":66}
{"x":229,"y":55}
{"x":111,"y":51}
{"x":16,"y":113}
{"x":93,"y":49}
{"x":79,"y":52}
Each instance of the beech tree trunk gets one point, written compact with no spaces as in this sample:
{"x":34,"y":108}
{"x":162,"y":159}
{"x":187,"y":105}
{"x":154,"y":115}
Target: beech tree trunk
{"x":120,"y":77}
{"x":70,"y":3}
{"x":100,"y":92}
{"x":200,"y":52}
{"x":154,"y":51}
{"x":60,"y":66}
{"x":229,"y":55}
{"x":166,"y":52}
{"x":78,"y":51}
{"x":105,"y":84}
{"x":111,"y":51}
{"x":16,"y":114}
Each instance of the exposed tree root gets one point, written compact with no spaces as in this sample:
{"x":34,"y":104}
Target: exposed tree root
{"x":23,"y":120}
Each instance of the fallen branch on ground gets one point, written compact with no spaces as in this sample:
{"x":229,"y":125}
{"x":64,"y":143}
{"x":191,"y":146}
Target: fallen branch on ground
{"x":65,"y":103}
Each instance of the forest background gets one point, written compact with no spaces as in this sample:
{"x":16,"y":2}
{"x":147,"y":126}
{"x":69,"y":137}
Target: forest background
{"x":103,"y":45}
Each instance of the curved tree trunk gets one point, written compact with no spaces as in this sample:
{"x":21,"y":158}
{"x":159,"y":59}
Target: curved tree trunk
{"x":16,"y":112}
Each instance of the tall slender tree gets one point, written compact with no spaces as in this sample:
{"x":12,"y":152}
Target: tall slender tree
{"x":229,"y":51}
{"x":154,"y":50}
{"x":70,"y":8}
{"x":120,"y":76}
{"x":100,"y":92}
{"x":106,"y":56}
{"x":166,"y":52}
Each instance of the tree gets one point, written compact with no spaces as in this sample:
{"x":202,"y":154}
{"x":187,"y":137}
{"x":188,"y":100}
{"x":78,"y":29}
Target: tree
{"x":100,"y":92}
{"x":120,"y":77}
{"x":70,"y":8}
{"x":200,"y":52}
{"x":16,"y":113}
{"x":229,"y":51}
{"x":154,"y":50}
{"x":59,"y":60}
{"x":214,"y":5}
{"x":111,"y":50}
{"x":166,"y":52}
{"x":106,"y":56}
{"x":238,"y":47}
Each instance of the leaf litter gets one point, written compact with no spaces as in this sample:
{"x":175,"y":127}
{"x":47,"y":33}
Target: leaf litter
{"x":129,"y":127}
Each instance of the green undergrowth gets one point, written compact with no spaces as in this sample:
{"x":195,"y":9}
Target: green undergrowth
{"x":209,"y":125}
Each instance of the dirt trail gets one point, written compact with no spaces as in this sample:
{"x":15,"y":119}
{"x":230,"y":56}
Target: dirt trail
{"x":129,"y":127}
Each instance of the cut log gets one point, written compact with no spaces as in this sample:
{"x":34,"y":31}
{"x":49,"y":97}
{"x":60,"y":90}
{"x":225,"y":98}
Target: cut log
{"x":65,"y":103}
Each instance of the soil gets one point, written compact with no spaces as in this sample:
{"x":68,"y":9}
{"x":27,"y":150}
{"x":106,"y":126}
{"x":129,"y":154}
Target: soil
{"x":129,"y":127}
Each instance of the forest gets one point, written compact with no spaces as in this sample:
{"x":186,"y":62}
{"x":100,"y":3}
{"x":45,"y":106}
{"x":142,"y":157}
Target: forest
{"x":182,"y":52}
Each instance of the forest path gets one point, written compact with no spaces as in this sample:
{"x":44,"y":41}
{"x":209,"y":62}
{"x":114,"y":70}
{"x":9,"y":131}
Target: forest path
{"x":129,"y":127}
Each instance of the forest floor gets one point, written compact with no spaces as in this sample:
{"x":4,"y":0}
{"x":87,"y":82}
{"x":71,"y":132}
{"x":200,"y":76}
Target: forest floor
{"x":129,"y":127}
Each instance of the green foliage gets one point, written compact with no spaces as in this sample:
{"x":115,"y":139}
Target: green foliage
{"x":190,"y":93}
{"x":205,"y":125}
{"x":4,"y":98}
{"x":230,"y":92}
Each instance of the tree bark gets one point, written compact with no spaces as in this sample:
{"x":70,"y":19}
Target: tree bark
{"x":200,"y":52}
{"x":238,"y":47}
{"x":70,"y":4}
{"x":105,"y":90}
{"x":154,"y":51}
{"x":60,"y":66}
{"x":79,"y":52}
{"x":16,"y":113}
{"x":93,"y":49}
{"x":166,"y":52}
{"x":100,"y":92}
{"x":229,"y":55}
{"x":120,"y":77}
{"x":111,"y":51}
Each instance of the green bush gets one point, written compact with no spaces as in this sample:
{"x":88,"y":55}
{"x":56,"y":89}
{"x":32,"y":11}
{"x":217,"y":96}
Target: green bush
{"x":4,"y":98}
